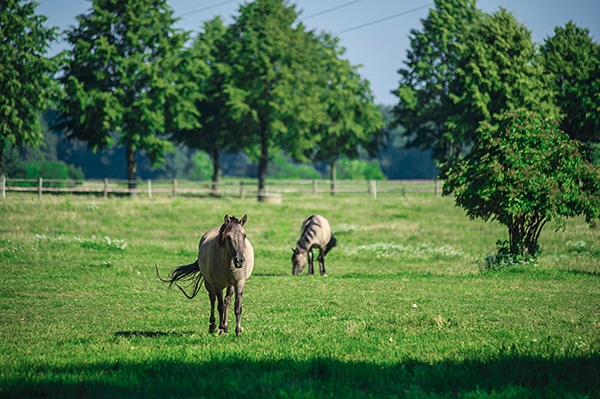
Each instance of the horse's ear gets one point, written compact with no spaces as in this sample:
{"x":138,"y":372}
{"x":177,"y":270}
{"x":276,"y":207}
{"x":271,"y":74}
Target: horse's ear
{"x":244,"y":220}
{"x":226,"y":219}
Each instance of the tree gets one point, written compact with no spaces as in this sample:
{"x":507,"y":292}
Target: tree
{"x":498,"y":71}
{"x":352,"y":120}
{"x":124,"y":75}
{"x":427,"y":81}
{"x":524,"y":172}
{"x":272,"y":88}
{"x":215,"y":128}
{"x":573,"y":60}
{"x":26,"y":75}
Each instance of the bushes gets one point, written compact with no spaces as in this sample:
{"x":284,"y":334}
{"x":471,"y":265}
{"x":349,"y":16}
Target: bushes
{"x":47,"y":170}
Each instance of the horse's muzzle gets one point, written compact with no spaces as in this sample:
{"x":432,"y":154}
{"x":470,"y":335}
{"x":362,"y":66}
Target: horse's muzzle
{"x":239,"y":262}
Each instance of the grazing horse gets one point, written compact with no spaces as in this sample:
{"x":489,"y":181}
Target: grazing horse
{"x":315,"y":233}
{"x":225,"y":261}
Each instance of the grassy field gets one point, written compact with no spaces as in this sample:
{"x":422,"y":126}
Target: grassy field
{"x":405,"y":311}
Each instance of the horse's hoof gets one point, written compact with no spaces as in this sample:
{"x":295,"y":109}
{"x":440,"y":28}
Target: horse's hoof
{"x":238,"y":331}
{"x":212,"y":328}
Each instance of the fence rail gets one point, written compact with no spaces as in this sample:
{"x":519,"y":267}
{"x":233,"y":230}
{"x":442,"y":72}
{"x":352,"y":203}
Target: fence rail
{"x":240,"y":188}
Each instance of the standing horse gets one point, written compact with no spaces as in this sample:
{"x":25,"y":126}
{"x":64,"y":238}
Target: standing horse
{"x":225,"y":261}
{"x":315,"y":233}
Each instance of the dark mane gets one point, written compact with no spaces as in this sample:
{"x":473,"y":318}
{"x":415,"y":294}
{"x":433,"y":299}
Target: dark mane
{"x":308,"y":232}
{"x":226,"y":228}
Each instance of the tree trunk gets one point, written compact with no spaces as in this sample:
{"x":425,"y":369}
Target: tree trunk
{"x":263,"y":162}
{"x":130,"y":155}
{"x":216,"y":177}
{"x":333,"y":174}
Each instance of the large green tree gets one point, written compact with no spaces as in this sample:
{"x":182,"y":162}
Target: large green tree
{"x":351,"y":120}
{"x":123,"y":78}
{"x":272,"y":87}
{"x":427,"y":80}
{"x":572,"y":58}
{"x":215,"y":128}
{"x":498,"y":71}
{"x":26,"y":74}
{"x":524,"y":172}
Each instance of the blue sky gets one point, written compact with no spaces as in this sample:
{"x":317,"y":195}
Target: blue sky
{"x":380,"y":47}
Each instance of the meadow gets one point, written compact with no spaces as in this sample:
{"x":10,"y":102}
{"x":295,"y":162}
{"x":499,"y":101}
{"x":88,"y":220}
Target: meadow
{"x":407,"y":310}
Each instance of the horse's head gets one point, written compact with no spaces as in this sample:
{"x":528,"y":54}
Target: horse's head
{"x":298,"y":261}
{"x":233,"y":236}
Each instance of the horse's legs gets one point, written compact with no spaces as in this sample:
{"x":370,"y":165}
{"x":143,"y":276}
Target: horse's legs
{"x":311,"y":268}
{"x":211,"y":295}
{"x":239,"y":291}
{"x":223,"y":322}
{"x":322,"y":261}
{"x":221,"y":307}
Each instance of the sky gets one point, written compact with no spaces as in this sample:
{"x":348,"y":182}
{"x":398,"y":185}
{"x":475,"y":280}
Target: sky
{"x":375,"y":33}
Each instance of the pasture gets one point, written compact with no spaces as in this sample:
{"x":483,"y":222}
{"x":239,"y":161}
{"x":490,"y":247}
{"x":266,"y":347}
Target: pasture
{"x":405,"y":311}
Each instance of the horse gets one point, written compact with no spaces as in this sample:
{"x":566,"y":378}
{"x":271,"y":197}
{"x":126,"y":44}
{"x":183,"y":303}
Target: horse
{"x":225,"y":261}
{"x":315,"y":233}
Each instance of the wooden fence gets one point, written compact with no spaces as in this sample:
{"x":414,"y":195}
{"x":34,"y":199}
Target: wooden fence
{"x":228,"y":188}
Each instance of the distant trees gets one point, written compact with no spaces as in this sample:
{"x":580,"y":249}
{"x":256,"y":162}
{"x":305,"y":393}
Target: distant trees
{"x":26,"y":75}
{"x":122,"y":76}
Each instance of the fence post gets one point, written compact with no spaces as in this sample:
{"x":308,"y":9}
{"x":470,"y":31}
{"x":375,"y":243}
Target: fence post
{"x":242,"y":190}
{"x":314,"y":187}
{"x":373,"y":189}
{"x":437,"y":188}
{"x":3,"y":187}
{"x":149,"y":188}
{"x":40,"y":184}
{"x":174,"y":188}
{"x":105,"y":189}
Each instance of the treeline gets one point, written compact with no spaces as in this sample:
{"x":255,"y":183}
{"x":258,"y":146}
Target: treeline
{"x":61,"y":158}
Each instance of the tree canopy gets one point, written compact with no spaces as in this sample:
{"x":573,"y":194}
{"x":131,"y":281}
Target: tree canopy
{"x":351,"y":119}
{"x":428,"y":78}
{"x":214,"y":129}
{"x":272,"y":92}
{"x":26,"y":74}
{"x":122,"y":78}
{"x":573,"y":60}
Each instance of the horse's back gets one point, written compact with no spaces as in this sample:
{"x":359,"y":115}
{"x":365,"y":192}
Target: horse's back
{"x":317,"y":230}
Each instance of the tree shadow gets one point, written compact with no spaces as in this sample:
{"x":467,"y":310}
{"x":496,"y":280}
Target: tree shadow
{"x":236,"y":376}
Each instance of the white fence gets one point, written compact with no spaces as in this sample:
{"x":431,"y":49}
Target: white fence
{"x":228,"y":187}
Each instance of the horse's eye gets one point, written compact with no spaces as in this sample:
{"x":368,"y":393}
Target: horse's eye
{"x":244,"y":236}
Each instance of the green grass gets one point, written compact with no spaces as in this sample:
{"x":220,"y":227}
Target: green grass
{"x":405,"y":310}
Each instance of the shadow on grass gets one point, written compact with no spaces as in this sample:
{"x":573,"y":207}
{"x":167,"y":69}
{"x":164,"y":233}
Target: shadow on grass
{"x":237,"y":377}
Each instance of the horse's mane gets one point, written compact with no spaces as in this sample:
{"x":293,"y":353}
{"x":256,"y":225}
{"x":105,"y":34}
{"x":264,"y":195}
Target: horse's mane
{"x":226,"y":228}
{"x":308,"y":231}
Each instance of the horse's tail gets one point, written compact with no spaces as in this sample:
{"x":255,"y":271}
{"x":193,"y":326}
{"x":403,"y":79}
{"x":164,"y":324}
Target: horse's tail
{"x":332,"y":243}
{"x":186,"y":273}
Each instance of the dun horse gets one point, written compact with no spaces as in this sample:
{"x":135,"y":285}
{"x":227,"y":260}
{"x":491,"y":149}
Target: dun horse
{"x":225,"y":261}
{"x":315,"y":233}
